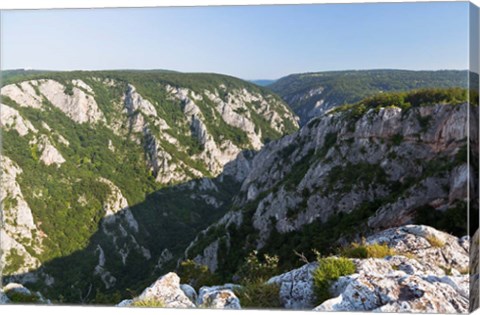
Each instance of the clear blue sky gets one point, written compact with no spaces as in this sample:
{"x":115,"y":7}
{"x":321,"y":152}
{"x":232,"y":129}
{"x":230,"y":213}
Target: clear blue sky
{"x":251,"y":42}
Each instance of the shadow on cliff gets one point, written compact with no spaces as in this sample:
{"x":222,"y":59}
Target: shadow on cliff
{"x":121,"y":259}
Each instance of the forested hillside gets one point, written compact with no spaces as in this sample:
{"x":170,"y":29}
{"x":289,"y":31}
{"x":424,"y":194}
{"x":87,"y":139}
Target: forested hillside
{"x":311,"y":94}
{"x":114,"y":173}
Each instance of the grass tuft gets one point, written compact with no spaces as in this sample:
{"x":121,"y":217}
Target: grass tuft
{"x":148,"y":303}
{"x":363,"y":250}
{"x":328,"y":271}
{"x":435,"y":241}
{"x":259,"y":295}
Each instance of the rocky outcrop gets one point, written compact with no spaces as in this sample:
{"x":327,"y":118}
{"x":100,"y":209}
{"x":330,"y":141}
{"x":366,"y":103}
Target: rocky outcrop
{"x":24,"y":94}
{"x":296,"y":287}
{"x":78,"y":105}
{"x":335,"y":164}
{"x":166,"y":290}
{"x":170,"y":293}
{"x":398,"y":292}
{"x":19,"y":234}
{"x":218,"y":297}
{"x":48,"y":153}
{"x":120,"y":225}
{"x":420,"y":277}
{"x":214,"y":155}
{"x":135,"y":102}
{"x":189,"y":292}
{"x":430,"y":278}
{"x":429,"y":246}
{"x":11,"y":119}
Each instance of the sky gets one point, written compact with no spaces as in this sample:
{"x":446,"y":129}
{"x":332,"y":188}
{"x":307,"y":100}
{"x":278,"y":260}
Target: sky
{"x":250,"y":42}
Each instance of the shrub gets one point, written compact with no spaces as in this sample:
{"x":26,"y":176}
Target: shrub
{"x":362,"y":250}
{"x":196,"y":275}
{"x":397,"y":139}
{"x":259,"y":295}
{"x":254,"y":270}
{"x":22,"y":298}
{"x":148,"y":303}
{"x":328,"y":271}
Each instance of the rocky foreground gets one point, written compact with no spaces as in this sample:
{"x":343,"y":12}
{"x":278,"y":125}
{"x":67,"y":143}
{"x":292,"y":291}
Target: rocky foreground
{"x":427,"y":273}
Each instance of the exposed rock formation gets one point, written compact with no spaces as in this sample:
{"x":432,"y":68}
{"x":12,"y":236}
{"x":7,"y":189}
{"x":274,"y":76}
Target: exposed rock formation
{"x":296,"y":287}
{"x":79,"y":106}
{"x":11,"y":119}
{"x":336,"y":164}
{"x":168,"y":291}
{"x":24,"y":94}
{"x":218,"y":297}
{"x":413,"y":280}
{"x":18,"y":223}
{"x":49,"y":154}
{"x":121,"y":227}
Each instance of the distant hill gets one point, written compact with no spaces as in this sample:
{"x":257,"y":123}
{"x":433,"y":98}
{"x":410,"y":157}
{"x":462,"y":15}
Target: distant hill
{"x":310,"y":94}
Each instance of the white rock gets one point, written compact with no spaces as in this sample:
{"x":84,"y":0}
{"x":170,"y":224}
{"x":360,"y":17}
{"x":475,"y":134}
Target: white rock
{"x":19,"y":228}
{"x":11,"y":119}
{"x":221,"y":296}
{"x":135,"y":102}
{"x":167,"y":289}
{"x":49,"y":154}
{"x":296,"y":287}
{"x":80,"y":106}
{"x":83,"y":85}
{"x":23,"y":94}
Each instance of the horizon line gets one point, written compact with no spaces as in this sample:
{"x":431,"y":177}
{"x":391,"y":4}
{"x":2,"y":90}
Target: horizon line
{"x":218,"y":73}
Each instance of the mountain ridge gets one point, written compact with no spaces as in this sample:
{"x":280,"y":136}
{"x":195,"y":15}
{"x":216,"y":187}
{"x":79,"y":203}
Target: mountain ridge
{"x":313,"y":93}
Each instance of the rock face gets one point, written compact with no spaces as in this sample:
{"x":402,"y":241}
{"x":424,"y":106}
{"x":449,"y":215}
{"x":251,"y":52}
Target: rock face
{"x":80,"y":106}
{"x":24,"y":94}
{"x":18,"y":222}
{"x":336,"y":164}
{"x":296,"y":287}
{"x":432,"y":278}
{"x":168,"y":290}
{"x":415,"y":279}
{"x":121,"y":228}
{"x":49,"y":154}
{"x":11,"y":119}
{"x":220,"y":299}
